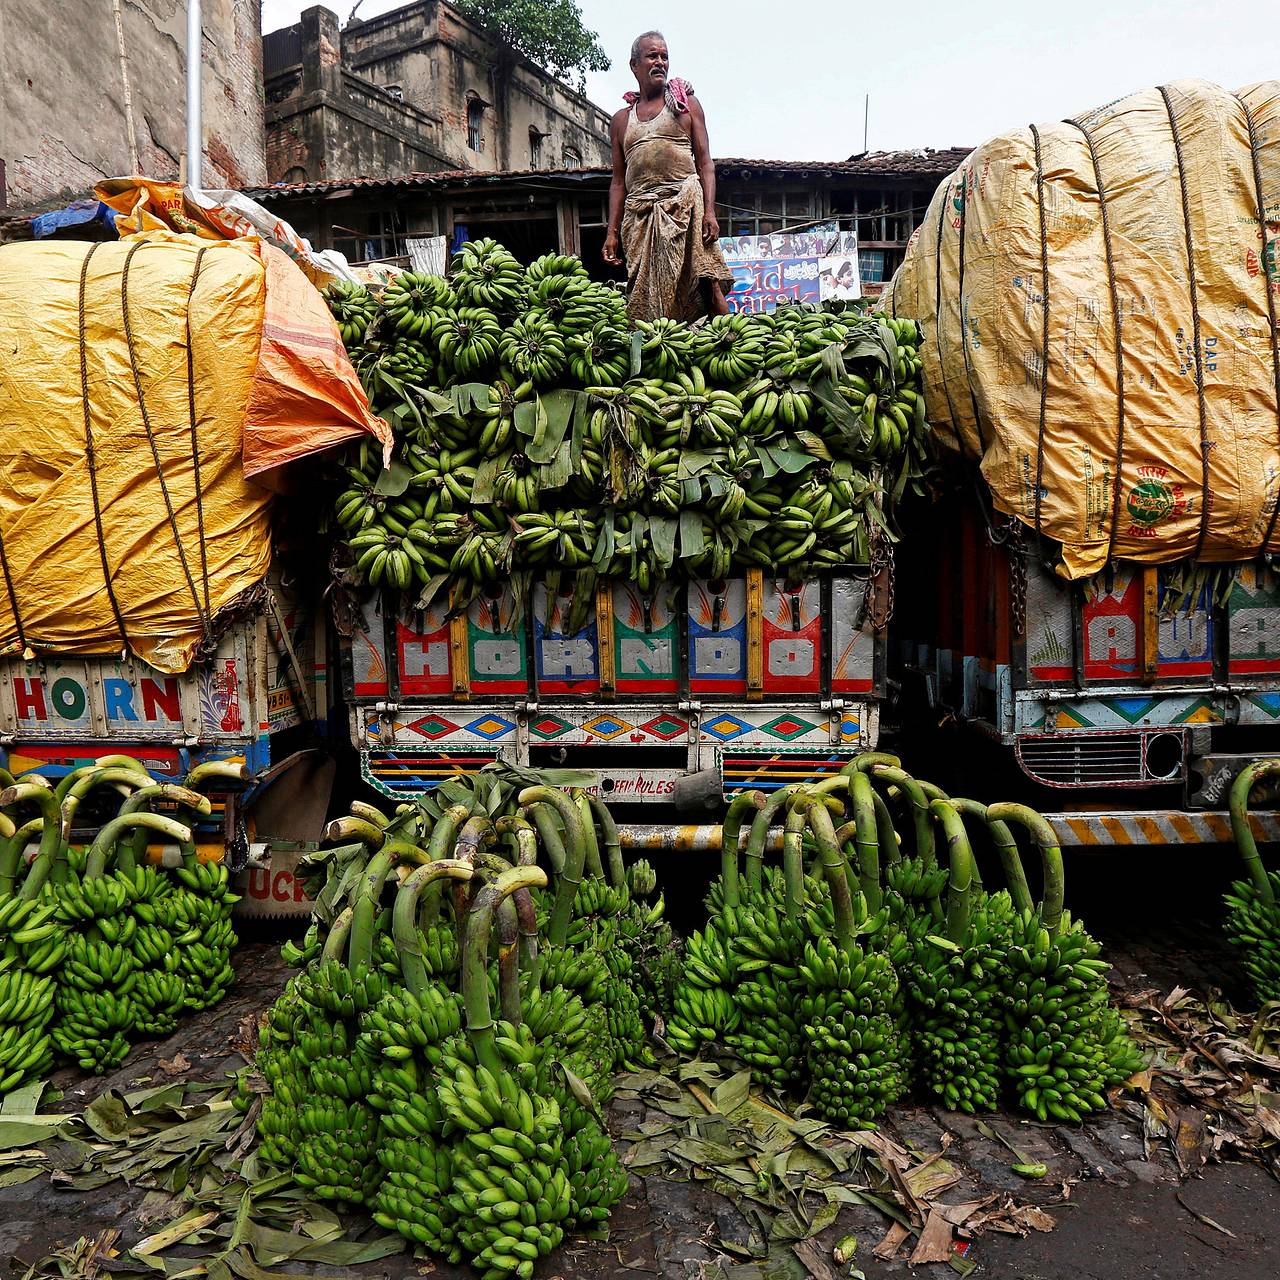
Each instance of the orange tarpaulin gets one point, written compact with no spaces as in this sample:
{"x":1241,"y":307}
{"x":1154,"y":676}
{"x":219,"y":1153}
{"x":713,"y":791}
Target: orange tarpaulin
{"x":143,"y":383}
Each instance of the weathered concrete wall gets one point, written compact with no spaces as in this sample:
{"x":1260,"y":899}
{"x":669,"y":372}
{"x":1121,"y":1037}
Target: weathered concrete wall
{"x":440,"y":61}
{"x":325,"y":121}
{"x":63,"y":123}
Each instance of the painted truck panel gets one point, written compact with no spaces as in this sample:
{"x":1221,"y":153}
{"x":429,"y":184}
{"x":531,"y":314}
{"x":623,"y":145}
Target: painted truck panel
{"x":1094,"y":684}
{"x":761,"y":680}
{"x":59,"y":713}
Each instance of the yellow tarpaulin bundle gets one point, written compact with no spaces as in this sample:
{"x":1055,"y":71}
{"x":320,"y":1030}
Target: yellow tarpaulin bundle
{"x":1099,"y":300}
{"x":141,"y":384}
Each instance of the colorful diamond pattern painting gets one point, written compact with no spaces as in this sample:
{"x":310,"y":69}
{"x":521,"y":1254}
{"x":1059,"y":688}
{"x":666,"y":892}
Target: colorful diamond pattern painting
{"x":726,"y":728}
{"x":788,"y":728}
{"x":433,"y":727}
{"x":665,"y":727}
{"x":550,"y":727}
{"x":1130,"y":709}
{"x":606,"y":727}
{"x":490,"y":727}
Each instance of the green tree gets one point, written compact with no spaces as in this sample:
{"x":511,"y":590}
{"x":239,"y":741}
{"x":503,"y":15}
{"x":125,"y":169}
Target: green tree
{"x":547,"y":32}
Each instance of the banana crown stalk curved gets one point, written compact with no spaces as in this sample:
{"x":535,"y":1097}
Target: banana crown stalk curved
{"x":1248,"y":778}
{"x":1050,"y":858}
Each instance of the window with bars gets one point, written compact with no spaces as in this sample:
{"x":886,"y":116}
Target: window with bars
{"x":475,"y":120}
{"x":378,"y":235}
{"x":871,"y":266}
{"x":572,"y":158}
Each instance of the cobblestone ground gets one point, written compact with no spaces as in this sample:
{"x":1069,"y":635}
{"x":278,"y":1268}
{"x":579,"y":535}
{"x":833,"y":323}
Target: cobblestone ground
{"x":1120,"y":1211}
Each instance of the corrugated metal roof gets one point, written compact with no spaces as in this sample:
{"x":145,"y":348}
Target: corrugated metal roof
{"x":923,"y":163}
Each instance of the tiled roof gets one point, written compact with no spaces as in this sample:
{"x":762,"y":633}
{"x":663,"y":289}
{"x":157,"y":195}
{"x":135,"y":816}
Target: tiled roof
{"x":923,"y":163}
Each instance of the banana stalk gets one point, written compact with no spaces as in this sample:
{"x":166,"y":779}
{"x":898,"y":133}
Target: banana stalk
{"x":11,"y":853}
{"x":122,"y":779}
{"x":575,"y":855}
{"x":51,"y":846}
{"x":594,"y":867}
{"x":1050,"y":858}
{"x":1006,"y":847}
{"x":104,"y":844}
{"x":612,"y":844}
{"x":867,"y":839}
{"x":475,"y":956}
{"x":886,"y":832}
{"x":404,"y":916}
{"x":215,"y":770}
{"x":833,"y":864}
{"x":1248,"y":778}
{"x":758,"y":837}
{"x":960,"y":858}
{"x":135,"y":851}
{"x":730,"y":837}
{"x":919,"y":808}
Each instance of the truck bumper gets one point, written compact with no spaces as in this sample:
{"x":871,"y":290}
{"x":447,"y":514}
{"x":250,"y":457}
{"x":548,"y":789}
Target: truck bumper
{"x":1157,"y":827}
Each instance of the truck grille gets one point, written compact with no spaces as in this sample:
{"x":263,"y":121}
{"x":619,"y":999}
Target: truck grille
{"x":1104,"y":759}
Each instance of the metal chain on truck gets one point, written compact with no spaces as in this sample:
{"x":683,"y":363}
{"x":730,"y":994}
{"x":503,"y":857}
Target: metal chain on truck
{"x":1016,"y":549}
{"x":880,"y":606}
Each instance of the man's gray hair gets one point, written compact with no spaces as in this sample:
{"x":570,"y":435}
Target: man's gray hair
{"x":643,"y":36}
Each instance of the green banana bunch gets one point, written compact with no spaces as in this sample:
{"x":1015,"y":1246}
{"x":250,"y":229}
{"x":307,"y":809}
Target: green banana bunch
{"x":487,"y":275}
{"x":467,"y":340}
{"x":1054,"y":1002}
{"x":533,"y":348}
{"x":702,"y":1005}
{"x":955,"y":1016}
{"x":666,"y":347}
{"x":597,"y":304}
{"x":728,"y":349}
{"x":601,"y":355}
{"x":496,"y":420}
{"x":199,"y":916}
{"x":767,"y":945}
{"x":414,"y":299}
{"x":555,"y":264}
{"x":553,"y":297}
{"x":510,"y":1192}
{"x":353,"y":307}
{"x":95,"y":1012}
{"x":772,"y":403}
{"x":26,"y":1007}
{"x":855,"y":1052}
{"x":1253,"y":925}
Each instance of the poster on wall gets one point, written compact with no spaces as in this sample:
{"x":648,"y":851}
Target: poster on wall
{"x":793,"y":266}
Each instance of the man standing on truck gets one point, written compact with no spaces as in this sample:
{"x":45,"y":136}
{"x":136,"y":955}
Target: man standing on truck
{"x":662,"y":200}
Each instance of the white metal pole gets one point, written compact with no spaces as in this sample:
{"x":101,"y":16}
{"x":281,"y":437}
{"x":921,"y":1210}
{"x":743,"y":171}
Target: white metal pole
{"x":195,"y":62}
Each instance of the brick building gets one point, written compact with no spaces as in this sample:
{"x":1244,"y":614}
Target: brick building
{"x":89,"y":90}
{"x":415,"y":90}
{"x":881,"y":195}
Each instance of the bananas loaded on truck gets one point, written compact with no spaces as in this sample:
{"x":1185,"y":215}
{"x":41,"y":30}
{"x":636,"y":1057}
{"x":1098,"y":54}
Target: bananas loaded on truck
{"x":536,"y":431}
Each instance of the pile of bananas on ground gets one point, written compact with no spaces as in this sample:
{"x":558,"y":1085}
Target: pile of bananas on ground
{"x":98,"y":948}
{"x":387,"y":1079}
{"x":861,"y":967}
{"x":536,"y":430}
{"x":1253,"y":904}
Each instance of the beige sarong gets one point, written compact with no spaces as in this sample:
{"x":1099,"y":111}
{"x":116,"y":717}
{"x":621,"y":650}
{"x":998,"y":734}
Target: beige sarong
{"x":667,"y":263}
